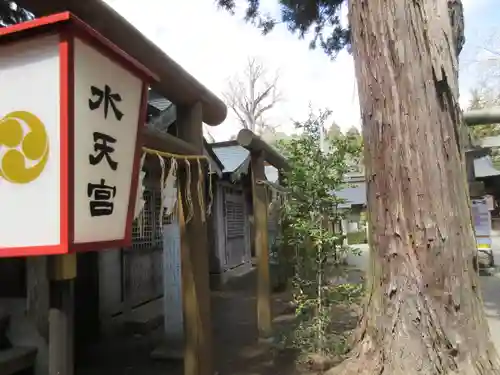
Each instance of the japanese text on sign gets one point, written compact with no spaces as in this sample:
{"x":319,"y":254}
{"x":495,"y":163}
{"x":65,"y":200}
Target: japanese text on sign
{"x":109,"y":100}
{"x":101,"y":196}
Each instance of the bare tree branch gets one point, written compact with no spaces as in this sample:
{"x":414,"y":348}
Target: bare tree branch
{"x":208,"y":134}
{"x":252,"y":95}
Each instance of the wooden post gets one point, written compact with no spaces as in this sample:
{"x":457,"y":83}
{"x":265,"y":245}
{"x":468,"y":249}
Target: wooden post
{"x":264,"y":316}
{"x":194,"y":256}
{"x":62,"y":272}
{"x":482,"y":116}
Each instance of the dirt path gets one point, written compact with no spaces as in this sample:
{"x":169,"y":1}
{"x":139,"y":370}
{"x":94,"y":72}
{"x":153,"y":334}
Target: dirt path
{"x":236,"y":348}
{"x":238,"y":351}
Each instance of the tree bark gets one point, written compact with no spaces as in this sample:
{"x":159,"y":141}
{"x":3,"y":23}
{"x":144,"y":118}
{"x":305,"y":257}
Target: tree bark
{"x":423,"y":313}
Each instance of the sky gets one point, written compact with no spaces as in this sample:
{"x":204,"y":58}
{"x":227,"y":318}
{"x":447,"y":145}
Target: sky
{"x":213,"y":46}
{"x":482,"y":37}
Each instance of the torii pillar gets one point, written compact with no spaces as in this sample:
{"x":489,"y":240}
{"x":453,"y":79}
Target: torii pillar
{"x":194,"y":258}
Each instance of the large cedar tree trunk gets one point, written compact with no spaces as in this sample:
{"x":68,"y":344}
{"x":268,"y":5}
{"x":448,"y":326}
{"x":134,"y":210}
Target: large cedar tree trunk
{"x":424,"y":311}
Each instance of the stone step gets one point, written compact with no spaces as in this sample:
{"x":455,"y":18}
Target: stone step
{"x":145,"y":318}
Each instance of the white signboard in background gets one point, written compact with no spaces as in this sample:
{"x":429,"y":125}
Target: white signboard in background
{"x":107,"y":105}
{"x":481,"y":217}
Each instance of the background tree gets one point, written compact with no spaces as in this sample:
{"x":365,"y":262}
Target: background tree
{"x":208,"y":134}
{"x":252,"y":95}
{"x":423,"y":313}
{"x":333,"y":131}
{"x":356,"y":162}
{"x":272,"y":136}
{"x":353,"y":132}
{"x":11,"y":13}
{"x":484,"y":98}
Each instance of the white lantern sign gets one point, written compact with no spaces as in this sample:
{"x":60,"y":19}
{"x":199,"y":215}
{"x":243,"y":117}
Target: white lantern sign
{"x":70,"y":125}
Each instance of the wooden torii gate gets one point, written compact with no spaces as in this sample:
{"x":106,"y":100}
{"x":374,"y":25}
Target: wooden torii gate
{"x":476,"y":117}
{"x":260,"y":152}
{"x":482,"y":116}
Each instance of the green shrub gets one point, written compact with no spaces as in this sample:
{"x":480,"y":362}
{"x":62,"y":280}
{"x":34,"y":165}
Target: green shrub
{"x":309,"y":211}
